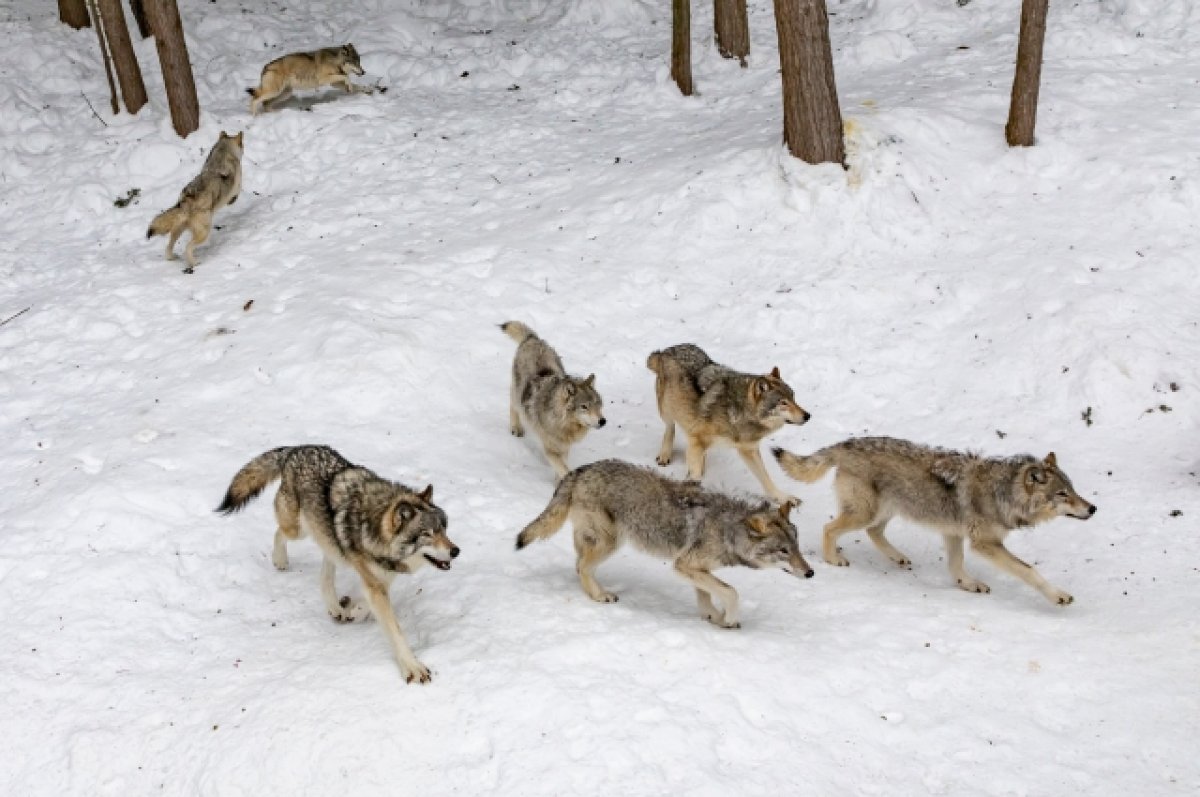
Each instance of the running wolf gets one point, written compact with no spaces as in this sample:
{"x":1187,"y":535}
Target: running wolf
{"x":962,"y":496}
{"x":715,"y":404}
{"x":558,"y":407}
{"x":611,"y":502}
{"x":330,"y":66}
{"x":376,"y":527}
{"x":216,"y":186}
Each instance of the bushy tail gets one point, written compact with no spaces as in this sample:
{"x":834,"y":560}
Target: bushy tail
{"x":553,"y":516}
{"x":166,"y":221}
{"x":805,"y":469}
{"x":252,"y":479}
{"x":517,"y":331}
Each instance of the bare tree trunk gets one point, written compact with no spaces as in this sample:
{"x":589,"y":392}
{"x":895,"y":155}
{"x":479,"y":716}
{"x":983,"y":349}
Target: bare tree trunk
{"x":681,"y":45}
{"x":1022,"y":110}
{"x":812,"y":121}
{"x":139,"y":16}
{"x":74,"y":13}
{"x":124,"y":60}
{"x":177,"y":70}
{"x":98,"y":25}
{"x":731,"y":29}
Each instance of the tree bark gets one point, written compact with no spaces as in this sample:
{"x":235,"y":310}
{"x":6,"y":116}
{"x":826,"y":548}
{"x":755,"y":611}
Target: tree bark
{"x":129,"y":74}
{"x":96,"y":23}
{"x":74,"y":13}
{"x":731,"y":29}
{"x":1022,"y":110}
{"x":177,"y":70}
{"x":139,"y":16}
{"x":812,"y":121}
{"x":681,"y":45}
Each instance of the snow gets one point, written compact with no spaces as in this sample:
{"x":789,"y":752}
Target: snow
{"x":946,"y":289}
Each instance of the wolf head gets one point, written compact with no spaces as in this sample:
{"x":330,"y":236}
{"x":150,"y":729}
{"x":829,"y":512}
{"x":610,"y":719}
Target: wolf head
{"x":1043,"y":492}
{"x":580,"y":400}
{"x":771,"y":542}
{"x":350,"y":63}
{"x":234,"y":141}
{"x":413,"y":531}
{"x":774,"y":401}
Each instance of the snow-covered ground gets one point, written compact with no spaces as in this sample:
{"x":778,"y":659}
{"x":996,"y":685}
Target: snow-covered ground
{"x":531,"y":160}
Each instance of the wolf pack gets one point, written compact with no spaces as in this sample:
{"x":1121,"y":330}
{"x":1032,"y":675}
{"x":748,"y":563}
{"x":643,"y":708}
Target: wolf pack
{"x":380,"y":528}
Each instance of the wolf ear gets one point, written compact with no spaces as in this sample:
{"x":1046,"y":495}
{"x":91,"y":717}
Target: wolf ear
{"x":239,"y":137}
{"x":775,"y":372}
{"x":591,"y":378}
{"x":1051,"y":460}
{"x":785,"y":509}
{"x":426,"y":495}
{"x":761,"y":386}
{"x":570,"y":388}
{"x":758,"y":526}
{"x":1036,"y":475}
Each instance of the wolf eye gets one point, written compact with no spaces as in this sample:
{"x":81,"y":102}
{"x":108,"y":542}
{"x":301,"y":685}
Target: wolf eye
{"x":1062,"y":494}
{"x":583,"y":406}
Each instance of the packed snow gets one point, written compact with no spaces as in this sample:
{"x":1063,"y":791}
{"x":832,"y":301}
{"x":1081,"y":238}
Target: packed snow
{"x":531,"y":160}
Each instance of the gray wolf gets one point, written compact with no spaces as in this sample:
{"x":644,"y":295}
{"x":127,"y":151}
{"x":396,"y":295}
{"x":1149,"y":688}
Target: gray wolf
{"x":716,"y":404}
{"x":376,"y":527}
{"x":330,"y":66}
{"x":558,"y":407}
{"x":216,"y":186}
{"x":612,"y":502}
{"x":962,"y":496}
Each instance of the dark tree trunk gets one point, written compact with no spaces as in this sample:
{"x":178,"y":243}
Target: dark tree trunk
{"x":681,"y":45}
{"x":177,"y":70}
{"x":1022,"y":111}
{"x":74,"y":13}
{"x":139,"y":16}
{"x":124,"y":60}
{"x":812,"y":121}
{"x":96,"y":23}
{"x":731,"y":29}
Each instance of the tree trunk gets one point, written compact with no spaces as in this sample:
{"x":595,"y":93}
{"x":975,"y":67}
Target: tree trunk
{"x":177,"y":70}
{"x":124,"y":60}
{"x":74,"y":13}
{"x":139,"y":16}
{"x":731,"y":29}
{"x":1022,"y":110}
{"x":812,"y":122}
{"x":96,"y":23}
{"x":681,"y":45}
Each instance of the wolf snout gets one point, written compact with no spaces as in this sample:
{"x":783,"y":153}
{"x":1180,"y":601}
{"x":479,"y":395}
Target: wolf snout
{"x":454,"y":552}
{"x":600,"y":423}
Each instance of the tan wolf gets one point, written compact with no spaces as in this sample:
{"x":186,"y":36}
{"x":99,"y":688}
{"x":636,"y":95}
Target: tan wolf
{"x":330,"y":66}
{"x":560,"y":408}
{"x":612,"y":502}
{"x":217,"y":185}
{"x":376,"y":527}
{"x":962,"y":496}
{"x":716,"y":404}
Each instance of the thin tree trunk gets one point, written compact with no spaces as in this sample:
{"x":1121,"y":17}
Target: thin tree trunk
{"x":731,"y":29}
{"x":681,"y":45}
{"x":139,"y":16}
{"x":177,"y":70}
{"x":124,"y":60}
{"x":1022,"y":110}
{"x":74,"y":13}
{"x":98,"y":25}
{"x":812,"y":121}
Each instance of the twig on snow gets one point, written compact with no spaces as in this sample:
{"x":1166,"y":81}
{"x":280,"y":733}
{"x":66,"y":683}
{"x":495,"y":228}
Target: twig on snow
{"x":15,"y":315}
{"x":89,"y":104}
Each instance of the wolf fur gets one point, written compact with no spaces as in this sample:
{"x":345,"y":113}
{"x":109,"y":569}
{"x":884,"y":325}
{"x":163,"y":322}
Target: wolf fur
{"x":716,"y":404}
{"x":558,"y":407}
{"x":376,"y":527}
{"x":330,"y":66}
{"x":217,"y":185}
{"x":613,"y":502}
{"x":962,"y":496}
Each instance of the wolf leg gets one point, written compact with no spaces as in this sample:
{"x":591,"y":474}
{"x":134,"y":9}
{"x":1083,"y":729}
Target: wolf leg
{"x":593,"y":546}
{"x":288,"y":520}
{"x":753,"y":459}
{"x":705,"y":581}
{"x":1001,"y":557}
{"x":668,"y":444}
{"x":381,"y":607}
{"x":847,"y":521}
{"x":875,"y":532}
{"x":340,"y":609}
{"x":172,"y":239}
{"x":696,"y":451}
{"x":200,"y":226}
{"x":557,"y":460}
{"x":514,"y":414}
{"x":954,"y":558}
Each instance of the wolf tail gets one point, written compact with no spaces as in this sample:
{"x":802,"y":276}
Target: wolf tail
{"x":252,"y":479}
{"x":517,"y":331}
{"x":805,"y":469}
{"x":553,"y":516}
{"x":654,"y":362}
{"x":167,"y":220}
{"x":252,"y":92}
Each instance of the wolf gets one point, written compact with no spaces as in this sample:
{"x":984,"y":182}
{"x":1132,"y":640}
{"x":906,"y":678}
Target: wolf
{"x":374,"y":526}
{"x":217,"y":185}
{"x":560,"y":408}
{"x":330,"y":66}
{"x":716,"y":404}
{"x":963,"y":496}
{"x":611,"y":502}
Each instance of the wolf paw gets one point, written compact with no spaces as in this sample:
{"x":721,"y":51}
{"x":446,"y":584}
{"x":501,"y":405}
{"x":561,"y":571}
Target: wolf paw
{"x":281,"y":564}
{"x":189,"y":270}
{"x":517,"y":431}
{"x":663,"y":461}
{"x":903,"y":561}
{"x":718,"y":620}
{"x":416,"y":672}
{"x":350,"y":612}
{"x":971,"y":585}
{"x":837,"y":560}
{"x":606,"y":597}
{"x":1061,"y":598}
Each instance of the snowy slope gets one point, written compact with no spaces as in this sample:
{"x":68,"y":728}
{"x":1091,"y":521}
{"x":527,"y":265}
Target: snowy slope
{"x":531,"y":160}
